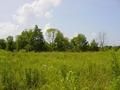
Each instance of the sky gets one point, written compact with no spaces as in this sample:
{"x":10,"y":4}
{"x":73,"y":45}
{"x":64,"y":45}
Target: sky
{"x":89,"y":17}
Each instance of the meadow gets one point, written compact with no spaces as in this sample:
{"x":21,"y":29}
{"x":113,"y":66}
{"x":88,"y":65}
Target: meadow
{"x":59,"y":70}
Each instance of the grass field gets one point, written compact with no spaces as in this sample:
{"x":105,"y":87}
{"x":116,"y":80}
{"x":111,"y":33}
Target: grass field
{"x":59,"y":71}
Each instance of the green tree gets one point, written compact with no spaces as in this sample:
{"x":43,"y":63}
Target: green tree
{"x":2,"y":44}
{"x":61,"y":43}
{"x":10,"y":44}
{"x":51,"y":34}
{"x":23,"y":40}
{"x":66,"y":44}
{"x":30,"y":40}
{"x":79,"y":43}
{"x":94,"y":45}
{"x":38,"y":41}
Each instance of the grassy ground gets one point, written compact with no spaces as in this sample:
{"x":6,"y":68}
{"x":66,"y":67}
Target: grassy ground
{"x":59,"y":71}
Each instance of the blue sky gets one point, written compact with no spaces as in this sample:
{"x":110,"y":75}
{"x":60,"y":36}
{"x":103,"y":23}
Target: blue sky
{"x":89,"y":17}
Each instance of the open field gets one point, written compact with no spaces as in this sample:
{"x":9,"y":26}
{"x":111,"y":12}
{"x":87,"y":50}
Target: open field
{"x":59,"y":71}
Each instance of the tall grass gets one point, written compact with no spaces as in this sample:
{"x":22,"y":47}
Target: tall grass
{"x":33,"y":78}
{"x":115,"y":72}
{"x":9,"y":81}
{"x":59,"y":71}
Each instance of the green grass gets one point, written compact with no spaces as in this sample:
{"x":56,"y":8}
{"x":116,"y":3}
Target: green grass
{"x":59,"y":71}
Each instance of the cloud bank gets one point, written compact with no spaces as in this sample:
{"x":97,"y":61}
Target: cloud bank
{"x":27,"y":13}
{"x":7,"y":29}
{"x":37,"y":9}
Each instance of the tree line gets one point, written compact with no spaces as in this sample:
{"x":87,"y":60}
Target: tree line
{"x":53,"y":40}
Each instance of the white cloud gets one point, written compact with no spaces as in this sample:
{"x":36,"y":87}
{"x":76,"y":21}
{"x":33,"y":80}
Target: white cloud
{"x":37,"y":9}
{"x":48,"y":14}
{"x":7,"y":29}
{"x":29,"y":12}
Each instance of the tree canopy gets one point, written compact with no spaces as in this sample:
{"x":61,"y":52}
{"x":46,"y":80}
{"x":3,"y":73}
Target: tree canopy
{"x":34,"y":40}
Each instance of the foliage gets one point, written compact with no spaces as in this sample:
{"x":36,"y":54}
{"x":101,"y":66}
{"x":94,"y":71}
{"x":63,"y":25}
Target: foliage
{"x":79,"y":43}
{"x":10,"y":45}
{"x":94,"y":46}
{"x":31,"y":40}
{"x":61,"y":43}
{"x":2,"y":44}
{"x":53,"y":40}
